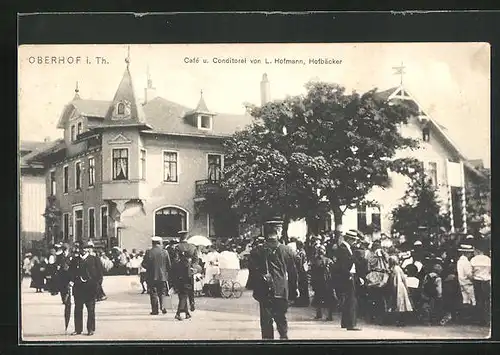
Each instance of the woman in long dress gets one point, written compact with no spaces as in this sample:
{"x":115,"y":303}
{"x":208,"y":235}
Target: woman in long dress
{"x":399,"y":299}
{"x":37,"y":274}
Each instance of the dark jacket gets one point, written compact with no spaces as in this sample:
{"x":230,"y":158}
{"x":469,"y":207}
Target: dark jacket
{"x":87,"y":275}
{"x":345,"y":261}
{"x":157,"y":264}
{"x":185,"y":249}
{"x":280,"y":265}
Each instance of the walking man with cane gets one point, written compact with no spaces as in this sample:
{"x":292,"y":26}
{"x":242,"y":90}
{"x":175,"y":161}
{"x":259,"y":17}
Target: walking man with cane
{"x":274,"y":280}
{"x":157,"y":264}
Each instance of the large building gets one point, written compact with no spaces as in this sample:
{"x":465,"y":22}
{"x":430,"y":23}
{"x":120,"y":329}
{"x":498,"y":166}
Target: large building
{"x":441,"y":158}
{"x":127,"y":170}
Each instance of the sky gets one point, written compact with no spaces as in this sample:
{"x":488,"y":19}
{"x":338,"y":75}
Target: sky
{"x":450,"y":81}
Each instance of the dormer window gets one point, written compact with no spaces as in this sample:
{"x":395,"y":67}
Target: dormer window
{"x":73,"y":133}
{"x":204,"y":122}
{"x":79,"y":129}
{"x":121,"y":108}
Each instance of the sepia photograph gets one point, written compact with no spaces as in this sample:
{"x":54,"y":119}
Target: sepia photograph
{"x":254,"y":192}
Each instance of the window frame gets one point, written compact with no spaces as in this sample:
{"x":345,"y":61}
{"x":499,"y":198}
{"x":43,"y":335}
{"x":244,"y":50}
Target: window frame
{"x":113,"y":163}
{"x":361,"y":211}
{"x":432,"y":174}
{"x":79,"y":128}
{"x":200,"y":120}
{"x":93,"y":219}
{"x":91,"y":172}
{"x":66,"y":179}
{"x":77,"y":208}
{"x":73,"y":133}
{"x":221,"y":162}
{"x":143,"y":167}
{"x":78,"y":178}
{"x":178,"y":171}
{"x":104,"y":207}
{"x":53,"y":182}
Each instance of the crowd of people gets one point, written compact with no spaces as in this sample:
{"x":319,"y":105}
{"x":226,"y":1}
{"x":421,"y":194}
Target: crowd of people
{"x":424,"y":282}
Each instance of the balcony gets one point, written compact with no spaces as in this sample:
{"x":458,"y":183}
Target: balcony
{"x":125,"y":190}
{"x":207,"y":188}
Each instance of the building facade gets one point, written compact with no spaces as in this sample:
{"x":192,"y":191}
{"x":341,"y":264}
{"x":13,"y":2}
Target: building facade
{"x":127,"y":170}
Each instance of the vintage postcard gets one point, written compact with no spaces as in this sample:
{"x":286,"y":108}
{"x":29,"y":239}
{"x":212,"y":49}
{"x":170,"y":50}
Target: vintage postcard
{"x":190,"y":192}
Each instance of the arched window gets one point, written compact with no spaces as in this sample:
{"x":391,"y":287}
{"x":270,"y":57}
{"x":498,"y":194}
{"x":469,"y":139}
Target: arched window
{"x":121,"y":108}
{"x":169,"y":221}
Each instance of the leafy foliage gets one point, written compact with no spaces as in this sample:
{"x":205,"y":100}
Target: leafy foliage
{"x":420,"y":208}
{"x":478,"y":195}
{"x":339,"y":144}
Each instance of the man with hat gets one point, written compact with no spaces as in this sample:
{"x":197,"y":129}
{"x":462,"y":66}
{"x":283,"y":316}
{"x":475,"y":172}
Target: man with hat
{"x":157,"y":263}
{"x":348,"y":280}
{"x":465,"y":278}
{"x":86,"y":277}
{"x":481,"y":275}
{"x":272,"y":268}
{"x":188,"y":251}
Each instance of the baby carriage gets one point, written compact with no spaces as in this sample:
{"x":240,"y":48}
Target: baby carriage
{"x":229,"y":287}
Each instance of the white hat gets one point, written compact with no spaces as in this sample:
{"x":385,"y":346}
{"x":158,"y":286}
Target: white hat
{"x":157,"y":239}
{"x":469,"y":237}
{"x":418,"y":242}
{"x":465,"y":247}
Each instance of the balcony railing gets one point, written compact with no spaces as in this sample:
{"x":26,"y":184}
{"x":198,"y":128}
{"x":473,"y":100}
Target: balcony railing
{"x":206,"y":188}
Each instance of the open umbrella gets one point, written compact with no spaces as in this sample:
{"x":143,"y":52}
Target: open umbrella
{"x":67,"y":309}
{"x":199,"y":240}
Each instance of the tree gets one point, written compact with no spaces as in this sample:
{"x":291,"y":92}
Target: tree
{"x":477,"y":196}
{"x":52,"y":216}
{"x":420,"y":208}
{"x":341,"y":145}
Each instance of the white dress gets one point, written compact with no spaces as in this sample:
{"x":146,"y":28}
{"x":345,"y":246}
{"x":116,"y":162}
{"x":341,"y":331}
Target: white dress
{"x":464,"y":273}
{"x":211,"y":266}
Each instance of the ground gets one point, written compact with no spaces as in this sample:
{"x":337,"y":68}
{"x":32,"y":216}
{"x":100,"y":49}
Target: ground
{"x":124,"y":316}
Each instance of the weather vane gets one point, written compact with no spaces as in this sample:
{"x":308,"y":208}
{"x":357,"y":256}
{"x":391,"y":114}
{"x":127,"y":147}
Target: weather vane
{"x":400,"y":71}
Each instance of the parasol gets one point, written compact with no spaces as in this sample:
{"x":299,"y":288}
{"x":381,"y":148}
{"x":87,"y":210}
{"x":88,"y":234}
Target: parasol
{"x":199,"y":240}
{"x":67,"y":309}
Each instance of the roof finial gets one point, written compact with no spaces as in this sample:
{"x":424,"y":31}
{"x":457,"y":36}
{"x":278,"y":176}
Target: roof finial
{"x":76,"y":88}
{"x":149,"y":81}
{"x":201,"y":92}
{"x":127,"y":59}
{"x":400,"y":71}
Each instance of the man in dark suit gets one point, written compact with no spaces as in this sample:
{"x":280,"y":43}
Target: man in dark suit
{"x":273,"y":266}
{"x":86,"y":275}
{"x":190,"y":254}
{"x":347,"y":280}
{"x":157,"y":264}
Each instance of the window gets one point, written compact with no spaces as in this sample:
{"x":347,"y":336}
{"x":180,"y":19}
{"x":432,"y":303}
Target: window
{"x":170,"y":173}
{"x":91,"y":223}
{"x":121,"y":108}
{"x":169,"y":221}
{"x":78,"y":224}
{"x":73,"y":133}
{"x":78,"y":175}
{"x":376,"y":222}
{"x":65,"y":179}
{"x":120,"y":164}
{"x":362,"y":218}
{"x":104,"y":222}
{"x":142,"y":167}
{"x":426,"y":132}
{"x":205,"y":122}
{"x":66,"y":226}
{"x":432,"y":173}
{"x":91,"y":172}
{"x":53,"y":183}
{"x":80,"y":129}
{"x":214,"y":167}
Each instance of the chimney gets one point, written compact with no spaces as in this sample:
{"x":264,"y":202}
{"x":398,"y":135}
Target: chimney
{"x":265,"y":90}
{"x":149,"y":91}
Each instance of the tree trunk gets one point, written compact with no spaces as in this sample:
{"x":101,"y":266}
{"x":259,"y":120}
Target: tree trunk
{"x":337,"y":217}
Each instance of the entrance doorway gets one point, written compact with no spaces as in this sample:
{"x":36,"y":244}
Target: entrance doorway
{"x":169,"y":221}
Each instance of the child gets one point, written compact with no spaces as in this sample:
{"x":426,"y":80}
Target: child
{"x":432,"y":295}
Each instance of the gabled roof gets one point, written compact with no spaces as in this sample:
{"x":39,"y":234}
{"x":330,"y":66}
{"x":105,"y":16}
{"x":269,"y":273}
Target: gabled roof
{"x":401,"y":93}
{"x":125,"y":92}
{"x":44,"y":149}
{"x":167,"y":117}
{"x":88,"y":108}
